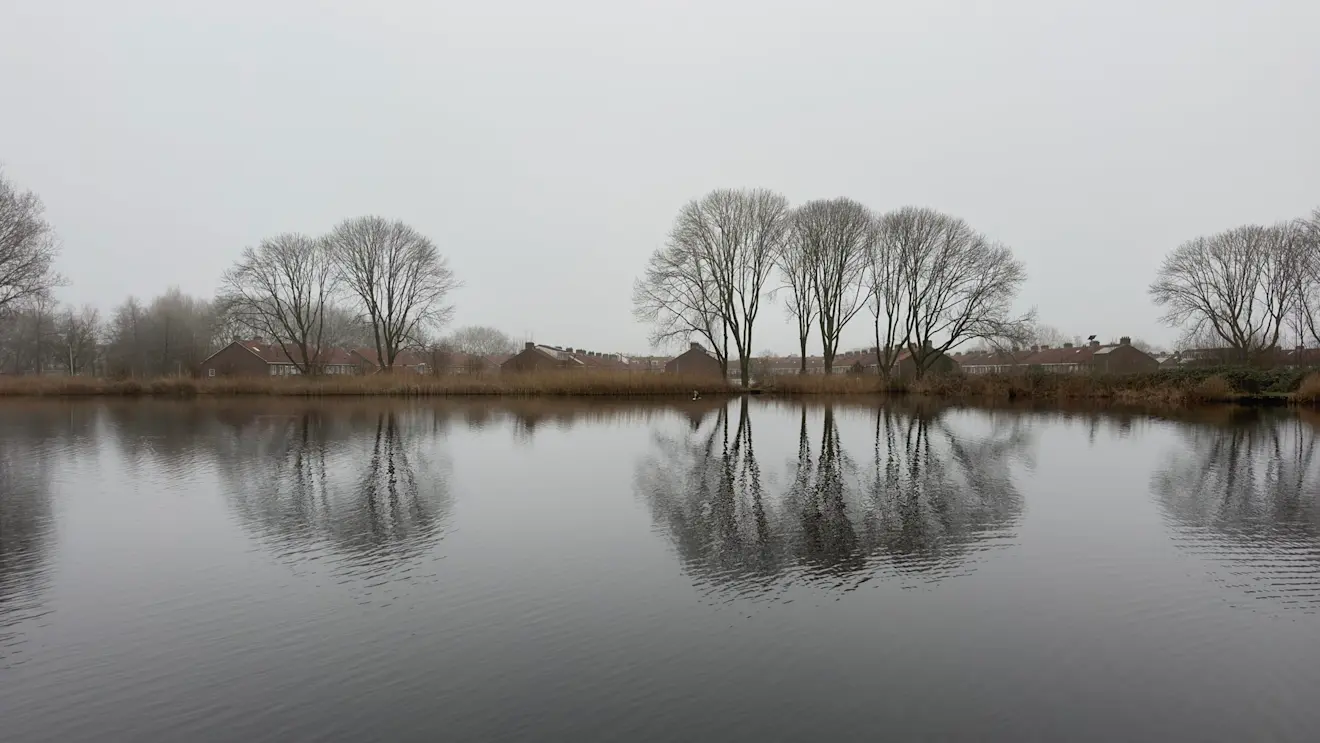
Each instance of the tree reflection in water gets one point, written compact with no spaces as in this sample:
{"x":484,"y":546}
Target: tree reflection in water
{"x":360,"y":486}
{"x":925,"y":503}
{"x":33,"y":439}
{"x":1243,"y":492}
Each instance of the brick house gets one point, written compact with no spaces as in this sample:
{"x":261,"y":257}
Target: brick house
{"x":256,"y":358}
{"x":536,"y":357}
{"x":540,"y":358}
{"x":695,"y":362}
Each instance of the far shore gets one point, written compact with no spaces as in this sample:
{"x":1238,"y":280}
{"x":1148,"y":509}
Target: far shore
{"x":1183,"y":387}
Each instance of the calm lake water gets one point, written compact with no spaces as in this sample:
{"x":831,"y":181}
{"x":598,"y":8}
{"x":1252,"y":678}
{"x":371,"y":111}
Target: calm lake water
{"x":554,"y":570}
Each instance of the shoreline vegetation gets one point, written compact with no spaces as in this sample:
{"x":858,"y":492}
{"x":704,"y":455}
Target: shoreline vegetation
{"x":1182,"y":387}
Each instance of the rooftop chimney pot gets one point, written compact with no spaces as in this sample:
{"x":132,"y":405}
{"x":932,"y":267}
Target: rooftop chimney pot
{"x":1125,"y":341}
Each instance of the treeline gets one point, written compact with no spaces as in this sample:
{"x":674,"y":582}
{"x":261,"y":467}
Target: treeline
{"x":369,"y":283}
{"x":1245,"y":289}
{"x":929,"y":280}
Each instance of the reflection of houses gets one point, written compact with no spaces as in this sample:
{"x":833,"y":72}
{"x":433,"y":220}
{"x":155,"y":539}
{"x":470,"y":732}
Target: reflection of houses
{"x":1090,"y":358}
{"x":257,"y":358}
{"x":694,"y":362}
{"x":535,"y":357}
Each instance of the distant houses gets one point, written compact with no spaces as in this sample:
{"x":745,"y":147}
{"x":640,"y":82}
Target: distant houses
{"x":1069,"y":358}
{"x":259,"y":358}
{"x":535,"y":357}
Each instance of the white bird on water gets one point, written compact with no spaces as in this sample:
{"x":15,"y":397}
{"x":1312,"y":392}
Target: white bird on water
{"x":696,"y":395}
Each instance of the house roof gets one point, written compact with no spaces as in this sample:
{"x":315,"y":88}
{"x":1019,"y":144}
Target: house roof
{"x":272,"y":353}
{"x":1061,"y":355}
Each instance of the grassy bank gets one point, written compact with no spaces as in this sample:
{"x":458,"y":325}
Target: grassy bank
{"x":622,"y":384}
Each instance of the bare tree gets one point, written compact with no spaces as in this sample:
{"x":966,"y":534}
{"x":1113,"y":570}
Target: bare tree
{"x":27,"y":248}
{"x":835,"y":237}
{"x":710,"y":277}
{"x":399,"y":279}
{"x":28,"y":338}
{"x":281,"y":290}
{"x":343,"y":328}
{"x":1306,"y":315}
{"x":888,"y":289}
{"x":77,"y":332}
{"x":1239,"y":285}
{"x":796,"y":269}
{"x":479,"y":340}
{"x":1048,"y":335}
{"x":676,"y":296}
{"x":959,"y":286}
{"x":169,"y":336}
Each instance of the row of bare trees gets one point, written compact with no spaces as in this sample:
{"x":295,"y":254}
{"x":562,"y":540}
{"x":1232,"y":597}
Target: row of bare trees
{"x":370,"y":283}
{"x":930,"y":281}
{"x":387,"y":275}
{"x":1246,"y":288}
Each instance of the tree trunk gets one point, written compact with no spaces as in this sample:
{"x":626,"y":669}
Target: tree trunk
{"x":803,"y":341}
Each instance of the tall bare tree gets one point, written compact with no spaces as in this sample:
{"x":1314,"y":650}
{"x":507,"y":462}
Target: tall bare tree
{"x":281,"y":290}
{"x":1306,"y":232}
{"x":795,"y":268}
{"x":888,"y":289}
{"x":958,"y":285}
{"x":479,"y":340}
{"x":399,"y":279}
{"x":710,"y":278}
{"x":27,"y":248}
{"x":676,"y":296}
{"x":171,"y":335}
{"x":1239,"y":285}
{"x":78,"y":332}
{"x":835,"y":237}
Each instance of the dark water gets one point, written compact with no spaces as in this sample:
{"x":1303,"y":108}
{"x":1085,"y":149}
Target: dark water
{"x":548,"y":570}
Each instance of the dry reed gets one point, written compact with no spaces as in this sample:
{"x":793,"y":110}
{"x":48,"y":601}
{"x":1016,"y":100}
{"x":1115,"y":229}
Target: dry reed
{"x":398,"y":385}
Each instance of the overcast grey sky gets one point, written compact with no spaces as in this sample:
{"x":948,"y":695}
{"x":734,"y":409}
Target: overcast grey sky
{"x":546,"y":146}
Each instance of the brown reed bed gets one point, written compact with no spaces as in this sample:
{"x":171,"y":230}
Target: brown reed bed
{"x":614,"y":384}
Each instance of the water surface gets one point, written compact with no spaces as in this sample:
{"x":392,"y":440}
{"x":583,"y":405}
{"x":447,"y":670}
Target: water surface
{"x":750,"y":570}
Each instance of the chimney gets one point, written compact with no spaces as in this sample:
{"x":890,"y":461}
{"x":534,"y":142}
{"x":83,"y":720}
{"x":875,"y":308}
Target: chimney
{"x":927,"y":345}
{"x":1125,"y":341}
{"x":581,"y":352}
{"x":529,"y":345}
{"x":1095,"y":344}
{"x":1067,"y":345}
{"x":1035,"y":348}
{"x":1044,"y":346}
{"x":694,"y":346}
